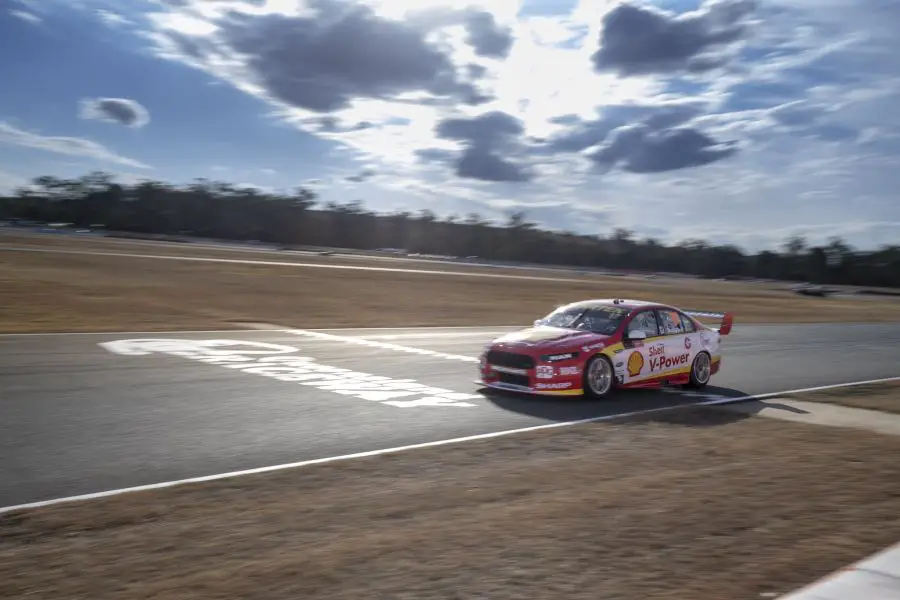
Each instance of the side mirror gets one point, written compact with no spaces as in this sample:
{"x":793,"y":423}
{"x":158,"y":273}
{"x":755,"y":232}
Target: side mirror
{"x":538,"y":322}
{"x":636,"y":335}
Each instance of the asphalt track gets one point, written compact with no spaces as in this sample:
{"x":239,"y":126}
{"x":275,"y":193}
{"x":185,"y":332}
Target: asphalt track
{"x":79,"y":417}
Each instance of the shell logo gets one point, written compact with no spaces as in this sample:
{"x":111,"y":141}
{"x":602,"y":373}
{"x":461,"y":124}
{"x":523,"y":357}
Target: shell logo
{"x":635,"y":364}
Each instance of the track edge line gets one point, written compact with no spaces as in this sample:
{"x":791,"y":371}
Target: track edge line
{"x":422,"y":445}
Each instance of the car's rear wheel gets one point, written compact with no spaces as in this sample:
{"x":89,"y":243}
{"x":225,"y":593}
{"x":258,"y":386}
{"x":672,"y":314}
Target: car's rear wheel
{"x":700,"y":371}
{"x":598,"y":379}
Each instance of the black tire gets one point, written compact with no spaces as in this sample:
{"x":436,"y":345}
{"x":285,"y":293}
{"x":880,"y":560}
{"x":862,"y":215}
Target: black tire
{"x":598,"y":390}
{"x":701,"y":371}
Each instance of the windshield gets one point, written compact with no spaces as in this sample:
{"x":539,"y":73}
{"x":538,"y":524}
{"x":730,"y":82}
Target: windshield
{"x":603,"y":320}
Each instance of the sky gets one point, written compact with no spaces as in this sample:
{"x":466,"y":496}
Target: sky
{"x":731,"y":121}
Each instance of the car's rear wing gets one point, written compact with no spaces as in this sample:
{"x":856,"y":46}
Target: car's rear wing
{"x":727,"y":319}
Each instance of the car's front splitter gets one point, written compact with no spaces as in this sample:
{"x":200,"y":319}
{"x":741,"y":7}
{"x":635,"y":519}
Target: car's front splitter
{"x":511,"y":387}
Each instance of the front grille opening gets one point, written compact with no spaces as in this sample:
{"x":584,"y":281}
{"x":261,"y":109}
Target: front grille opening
{"x":510,"y":359}
{"x":513,"y":379}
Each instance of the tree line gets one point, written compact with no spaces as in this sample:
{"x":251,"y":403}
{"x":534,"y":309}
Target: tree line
{"x":224,"y":211}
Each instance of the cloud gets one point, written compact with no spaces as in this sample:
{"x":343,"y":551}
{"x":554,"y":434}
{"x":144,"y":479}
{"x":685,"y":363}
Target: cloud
{"x":578,"y":134}
{"x":112,"y":19}
{"x":485,"y":129}
{"x":484,"y":138}
{"x":26,"y":16}
{"x":480,"y":162}
{"x":640,"y":39}
{"x":640,"y":150}
{"x":114,"y":110}
{"x":486,"y":37}
{"x":363,"y":175}
{"x":64,"y":145}
{"x":323,"y":62}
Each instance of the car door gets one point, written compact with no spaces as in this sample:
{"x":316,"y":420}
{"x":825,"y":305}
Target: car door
{"x":633,"y":364}
{"x":700,"y":339}
{"x":678,"y":346}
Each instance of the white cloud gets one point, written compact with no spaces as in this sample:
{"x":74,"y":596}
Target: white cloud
{"x":26,"y":16}
{"x":70,"y":146}
{"x":113,"y":19}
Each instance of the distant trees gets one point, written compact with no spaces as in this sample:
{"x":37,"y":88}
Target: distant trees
{"x":220,"y":210}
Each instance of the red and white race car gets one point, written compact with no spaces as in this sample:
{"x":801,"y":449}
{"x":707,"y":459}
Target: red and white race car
{"x":594,"y":346}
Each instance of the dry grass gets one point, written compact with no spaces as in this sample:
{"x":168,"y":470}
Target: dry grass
{"x":884,"y":397}
{"x":70,"y":292}
{"x":699,"y":504}
{"x":136,"y":246}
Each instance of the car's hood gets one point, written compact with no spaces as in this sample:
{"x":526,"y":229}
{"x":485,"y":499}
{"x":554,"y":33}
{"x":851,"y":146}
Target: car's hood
{"x":543,"y":336}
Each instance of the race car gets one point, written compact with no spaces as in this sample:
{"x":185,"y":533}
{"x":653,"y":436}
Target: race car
{"x":592,"y":347}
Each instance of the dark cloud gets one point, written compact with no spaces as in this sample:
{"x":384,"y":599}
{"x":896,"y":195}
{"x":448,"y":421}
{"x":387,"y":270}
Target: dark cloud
{"x":361,"y":176}
{"x":486,"y":37}
{"x":637,"y":149}
{"x":585,"y":134}
{"x":196,"y":49}
{"x":486,"y":137}
{"x":331,"y":124}
{"x":478,"y":162}
{"x":346,"y":51}
{"x":115,"y":110}
{"x":641,"y":39}
{"x":476,"y":71}
{"x":485,"y":129}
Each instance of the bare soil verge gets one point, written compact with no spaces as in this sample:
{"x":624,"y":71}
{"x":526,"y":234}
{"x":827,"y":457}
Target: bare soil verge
{"x":884,"y":397}
{"x":699,"y":503}
{"x":71,"y":292}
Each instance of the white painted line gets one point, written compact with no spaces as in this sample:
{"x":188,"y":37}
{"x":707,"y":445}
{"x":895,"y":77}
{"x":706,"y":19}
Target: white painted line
{"x":276,"y":263}
{"x":170,"y":332}
{"x":474,"y":328}
{"x":420,"y":331}
{"x":285,"y":363}
{"x":432,"y":444}
{"x":436,"y":334}
{"x":319,"y":335}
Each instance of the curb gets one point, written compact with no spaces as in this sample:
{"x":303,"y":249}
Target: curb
{"x":876,"y":577}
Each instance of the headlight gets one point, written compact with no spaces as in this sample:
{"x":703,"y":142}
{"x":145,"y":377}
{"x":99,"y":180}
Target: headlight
{"x":558,"y":357}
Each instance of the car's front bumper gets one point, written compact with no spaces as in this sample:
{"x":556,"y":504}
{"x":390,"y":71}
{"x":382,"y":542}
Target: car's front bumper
{"x":511,"y":387}
{"x":561,"y":378}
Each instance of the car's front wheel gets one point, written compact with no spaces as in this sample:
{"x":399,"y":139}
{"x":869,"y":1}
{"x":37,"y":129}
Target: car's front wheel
{"x":700,"y":371}
{"x":599,"y":378}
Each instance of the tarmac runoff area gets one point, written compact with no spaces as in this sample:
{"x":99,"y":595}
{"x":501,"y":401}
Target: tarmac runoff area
{"x":89,"y":413}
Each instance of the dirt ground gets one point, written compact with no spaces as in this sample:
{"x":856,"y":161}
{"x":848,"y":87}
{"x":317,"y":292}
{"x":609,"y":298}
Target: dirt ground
{"x":71,"y":292}
{"x":699,"y":503}
{"x":884,"y":397}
